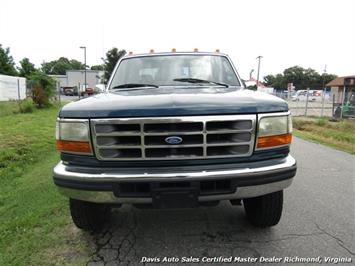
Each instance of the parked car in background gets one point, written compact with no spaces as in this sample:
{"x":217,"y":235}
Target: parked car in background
{"x":301,"y":95}
{"x":89,"y":91}
{"x":68,"y":91}
{"x":317,"y":93}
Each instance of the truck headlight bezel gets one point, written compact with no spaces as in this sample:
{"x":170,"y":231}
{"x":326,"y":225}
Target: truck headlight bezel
{"x":274,"y":131}
{"x":73,"y":136}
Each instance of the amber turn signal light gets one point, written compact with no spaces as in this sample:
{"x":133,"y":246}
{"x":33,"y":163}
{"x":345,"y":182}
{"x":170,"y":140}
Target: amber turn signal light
{"x":74,"y":146}
{"x":272,"y":141}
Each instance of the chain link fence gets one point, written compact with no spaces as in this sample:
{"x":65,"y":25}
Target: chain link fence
{"x":317,"y":105}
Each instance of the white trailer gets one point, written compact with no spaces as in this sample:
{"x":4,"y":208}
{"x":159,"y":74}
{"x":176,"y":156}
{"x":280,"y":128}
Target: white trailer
{"x":12,"y":88}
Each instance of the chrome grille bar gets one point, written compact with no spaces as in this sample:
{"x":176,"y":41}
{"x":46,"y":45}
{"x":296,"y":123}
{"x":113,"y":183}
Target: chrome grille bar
{"x":123,"y":139}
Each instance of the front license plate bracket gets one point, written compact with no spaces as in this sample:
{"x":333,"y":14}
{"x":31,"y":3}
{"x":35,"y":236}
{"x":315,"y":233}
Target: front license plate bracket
{"x":179,"y":198}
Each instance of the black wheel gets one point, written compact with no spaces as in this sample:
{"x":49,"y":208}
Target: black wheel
{"x":87,"y":215}
{"x":264,"y":211}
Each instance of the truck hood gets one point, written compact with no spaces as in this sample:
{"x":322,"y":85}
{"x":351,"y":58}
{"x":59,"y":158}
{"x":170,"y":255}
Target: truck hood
{"x":170,"y":101}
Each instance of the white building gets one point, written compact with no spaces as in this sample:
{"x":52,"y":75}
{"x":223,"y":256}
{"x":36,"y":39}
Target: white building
{"x":76,"y":79}
{"x":62,"y":79}
{"x":12,"y":88}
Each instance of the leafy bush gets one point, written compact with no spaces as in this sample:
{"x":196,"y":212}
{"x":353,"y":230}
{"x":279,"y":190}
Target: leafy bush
{"x":39,"y":97}
{"x":27,"y":106}
{"x":321,"y":122}
{"x":43,"y":89}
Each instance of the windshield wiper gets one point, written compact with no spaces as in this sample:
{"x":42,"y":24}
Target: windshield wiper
{"x":134,"y":85}
{"x":195,"y":80}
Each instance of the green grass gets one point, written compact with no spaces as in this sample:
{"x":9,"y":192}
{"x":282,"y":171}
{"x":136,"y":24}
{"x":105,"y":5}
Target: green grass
{"x":35,"y":226}
{"x":15,"y":107}
{"x":9,"y":108}
{"x":339,"y":135}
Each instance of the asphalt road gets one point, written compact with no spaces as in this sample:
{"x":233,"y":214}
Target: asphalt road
{"x":318,"y":220}
{"x":66,"y":98}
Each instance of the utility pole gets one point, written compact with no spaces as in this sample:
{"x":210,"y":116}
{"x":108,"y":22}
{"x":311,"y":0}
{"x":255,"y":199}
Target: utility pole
{"x":306,"y":109}
{"x":84,"y":47}
{"x":257,"y":79}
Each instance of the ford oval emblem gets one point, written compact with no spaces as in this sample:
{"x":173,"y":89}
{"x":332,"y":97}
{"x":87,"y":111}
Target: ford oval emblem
{"x":173,"y":140}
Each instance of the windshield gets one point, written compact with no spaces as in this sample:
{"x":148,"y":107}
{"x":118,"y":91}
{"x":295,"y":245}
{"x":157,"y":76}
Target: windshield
{"x":175,"y":70}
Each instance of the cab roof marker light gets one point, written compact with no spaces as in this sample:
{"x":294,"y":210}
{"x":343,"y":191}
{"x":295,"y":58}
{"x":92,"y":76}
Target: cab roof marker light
{"x":130,"y":53}
{"x":151,"y":51}
{"x":217,"y":50}
{"x":195,"y":50}
{"x":173,"y":50}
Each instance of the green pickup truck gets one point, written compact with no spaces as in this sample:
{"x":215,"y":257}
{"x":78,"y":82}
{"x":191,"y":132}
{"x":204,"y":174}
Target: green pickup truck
{"x":174,"y":130}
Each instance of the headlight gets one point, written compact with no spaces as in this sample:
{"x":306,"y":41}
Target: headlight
{"x":274,"y":131}
{"x":73,"y":136}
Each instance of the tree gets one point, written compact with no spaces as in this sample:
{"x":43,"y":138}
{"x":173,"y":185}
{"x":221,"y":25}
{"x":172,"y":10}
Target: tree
{"x":277,"y":81}
{"x":312,"y":79}
{"x":97,"y":67}
{"x":60,"y":66}
{"x":112,"y":57}
{"x":296,"y":75}
{"x":26,"y":68}
{"x":300,"y":77}
{"x":7,"y":64}
{"x":328,"y":78}
{"x":75,"y":64}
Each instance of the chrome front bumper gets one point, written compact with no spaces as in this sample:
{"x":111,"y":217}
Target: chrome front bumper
{"x":253,"y":179}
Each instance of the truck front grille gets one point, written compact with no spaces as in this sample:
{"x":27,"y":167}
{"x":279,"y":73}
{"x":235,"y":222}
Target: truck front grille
{"x":173,"y":138}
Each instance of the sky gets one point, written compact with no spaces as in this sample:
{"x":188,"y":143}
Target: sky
{"x":285,"y":32}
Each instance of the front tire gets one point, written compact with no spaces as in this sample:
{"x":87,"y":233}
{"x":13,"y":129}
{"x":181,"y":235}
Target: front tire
{"x":264,"y":211}
{"x":87,"y":215}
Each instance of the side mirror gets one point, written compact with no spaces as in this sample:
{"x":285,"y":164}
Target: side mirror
{"x":243,"y":82}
